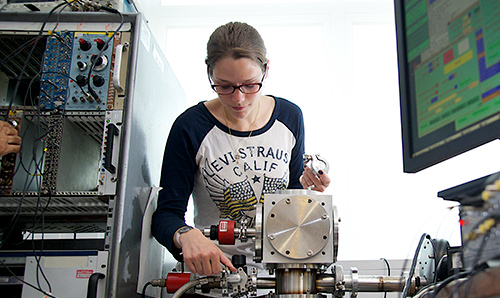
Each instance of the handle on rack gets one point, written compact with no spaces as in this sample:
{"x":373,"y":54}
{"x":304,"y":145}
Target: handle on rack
{"x":92,"y":286}
{"x":108,"y":153}
{"x":118,"y":64}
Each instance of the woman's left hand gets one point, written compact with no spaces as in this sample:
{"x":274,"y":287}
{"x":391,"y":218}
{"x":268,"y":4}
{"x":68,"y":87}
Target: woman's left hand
{"x":315,"y":182}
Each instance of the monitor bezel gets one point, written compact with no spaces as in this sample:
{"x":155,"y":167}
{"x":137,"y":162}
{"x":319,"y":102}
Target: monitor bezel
{"x":413,"y":164}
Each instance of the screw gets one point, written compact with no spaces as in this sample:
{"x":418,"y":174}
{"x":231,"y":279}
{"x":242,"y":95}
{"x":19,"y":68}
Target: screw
{"x":309,"y":252}
{"x":271,"y":237}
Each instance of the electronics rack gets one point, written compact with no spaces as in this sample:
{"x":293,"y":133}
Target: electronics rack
{"x":479,"y":216}
{"x":69,"y":125}
{"x":85,"y":97}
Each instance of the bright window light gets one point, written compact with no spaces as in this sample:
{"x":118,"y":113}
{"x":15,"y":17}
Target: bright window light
{"x":338,"y":62}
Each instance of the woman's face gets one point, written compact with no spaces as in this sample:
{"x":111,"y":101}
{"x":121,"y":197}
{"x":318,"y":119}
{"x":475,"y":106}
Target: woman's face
{"x":236,"y":72}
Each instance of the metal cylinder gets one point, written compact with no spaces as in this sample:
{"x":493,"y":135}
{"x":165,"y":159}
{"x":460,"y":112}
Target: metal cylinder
{"x":266,"y":283}
{"x":369,"y":283}
{"x":226,"y":232}
{"x":295,"y":281}
{"x":175,"y":280}
{"x":366,"y":283}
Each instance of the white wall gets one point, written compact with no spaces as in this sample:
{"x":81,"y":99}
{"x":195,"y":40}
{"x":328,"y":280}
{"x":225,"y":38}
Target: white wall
{"x":337,"y":60}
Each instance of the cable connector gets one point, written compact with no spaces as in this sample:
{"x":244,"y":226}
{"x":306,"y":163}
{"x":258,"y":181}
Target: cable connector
{"x":162,"y":282}
{"x":485,"y":195}
{"x":493,"y":187}
{"x":97,"y":6}
{"x":209,"y":279}
{"x":89,"y":3}
{"x":109,"y":9}
{"x":486,"y":226}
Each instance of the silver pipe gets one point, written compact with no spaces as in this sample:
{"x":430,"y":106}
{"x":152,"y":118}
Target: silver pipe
{"x":325,"y":284}
{"x":266,"y":283}
{"x":368,"y":283}
{"x":295,"y":281}
{"x":249,"y":233}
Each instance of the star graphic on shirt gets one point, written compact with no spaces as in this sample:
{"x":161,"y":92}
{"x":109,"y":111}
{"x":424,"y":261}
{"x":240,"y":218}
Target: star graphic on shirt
{"x":256,"y":179}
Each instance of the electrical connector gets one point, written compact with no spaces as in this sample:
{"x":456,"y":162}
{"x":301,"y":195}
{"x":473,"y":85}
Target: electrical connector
{"x":485,"y":195}
{"x":162,"y":282}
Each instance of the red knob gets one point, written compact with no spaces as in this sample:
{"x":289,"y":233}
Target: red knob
{"x":84,"y":45}
{"x":100,"y":43}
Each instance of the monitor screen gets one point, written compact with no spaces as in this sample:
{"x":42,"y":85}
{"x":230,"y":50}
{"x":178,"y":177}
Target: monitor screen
{"x":449,"y":75}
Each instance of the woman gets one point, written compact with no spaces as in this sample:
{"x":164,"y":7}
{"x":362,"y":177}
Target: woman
{"x":229,"y":152}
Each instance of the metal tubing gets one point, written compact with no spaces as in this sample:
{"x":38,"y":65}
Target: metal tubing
{"x":366,"y":283}
{"x":295,"y":281}
{"x":266,"y":283}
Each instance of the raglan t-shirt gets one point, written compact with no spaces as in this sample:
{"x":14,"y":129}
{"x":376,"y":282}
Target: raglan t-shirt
{"x":226,"y":171}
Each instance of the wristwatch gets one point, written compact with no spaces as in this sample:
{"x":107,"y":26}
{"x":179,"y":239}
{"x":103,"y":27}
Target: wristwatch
{"x":180,"y":231}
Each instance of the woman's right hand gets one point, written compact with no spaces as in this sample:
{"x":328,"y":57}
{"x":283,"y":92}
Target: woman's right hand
{"x":10,"y":142}
{"x":201,"y":255}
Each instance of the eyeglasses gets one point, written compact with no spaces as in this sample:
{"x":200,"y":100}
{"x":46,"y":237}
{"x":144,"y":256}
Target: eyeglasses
{"x":250,"y":88}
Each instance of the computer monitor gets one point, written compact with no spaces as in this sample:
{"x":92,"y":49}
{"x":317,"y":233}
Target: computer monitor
{"x":449,"y":76}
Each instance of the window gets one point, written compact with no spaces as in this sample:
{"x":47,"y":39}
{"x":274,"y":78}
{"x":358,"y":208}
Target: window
{"x":348,"y":50}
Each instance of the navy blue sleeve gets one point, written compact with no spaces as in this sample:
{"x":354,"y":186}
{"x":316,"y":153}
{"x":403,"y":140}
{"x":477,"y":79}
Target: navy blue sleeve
{"x":291,"y":115}
{"x":177,"y":178}
{"x":297,"y":162}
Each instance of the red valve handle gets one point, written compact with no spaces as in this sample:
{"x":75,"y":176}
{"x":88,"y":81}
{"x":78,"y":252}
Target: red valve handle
{"x":176,"y":280}
{"x":226,"y":232}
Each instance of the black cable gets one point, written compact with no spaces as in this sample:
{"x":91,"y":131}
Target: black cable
{"x":19,"y":49}
{"x":413,"y":265}
{"x":38,"y":165}
{"x":25,"y":282}
{"x":439,"y":264}
{"x":16,"y":87}
{"x":427,"y":289}
{"x":33,"y":42}
{"x":14,"y":220}
{"x":144,"y":289}
{"x":39,"y":137}
{"x":36,"y":177}
{"x":479,"y":253}
{"x":40,"y":250}
{"x":21,"y":163}
{"x":458,"y":276}
{"x":388,"y":271}
{"x":38,"y":257}
{"x":478,"y":257}
{"x":28,"y":181}
{"x":92,"y":61}
{"x":388,"y":266}
{"x":448,"y":280}
{"x":133,"y":4}
{"x":477,"y":267}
